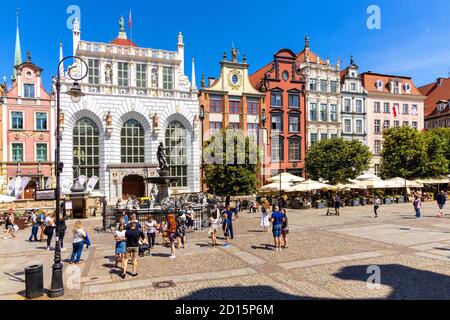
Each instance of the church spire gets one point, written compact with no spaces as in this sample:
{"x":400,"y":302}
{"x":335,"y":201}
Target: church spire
{"x":18,"y":50}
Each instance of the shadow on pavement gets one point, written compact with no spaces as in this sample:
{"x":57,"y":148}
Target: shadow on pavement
{"x":266,"y":246}
{"x":406,"y":283}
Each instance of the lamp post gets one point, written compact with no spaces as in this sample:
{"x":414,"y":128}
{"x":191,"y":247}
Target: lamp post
{"x":202,"y":117}
{"x":57,"y":286}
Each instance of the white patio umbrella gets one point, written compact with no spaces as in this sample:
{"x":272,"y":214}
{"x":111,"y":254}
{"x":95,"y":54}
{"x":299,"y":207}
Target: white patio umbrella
{"x":286,"y":177}
{"x":6,"y":199}
{"x":404,"y":183}
{"x":350,"y":186}
{"x":276,"y":186}
{"x":437,"y":180}
{"x":310,"y":185}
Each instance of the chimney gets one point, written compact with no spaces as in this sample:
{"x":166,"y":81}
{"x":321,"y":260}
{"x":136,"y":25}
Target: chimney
{"x":439,"y":81}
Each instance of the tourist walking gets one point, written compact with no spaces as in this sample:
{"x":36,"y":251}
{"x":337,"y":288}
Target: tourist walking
{"x":62,"y":229}
{"x":10,"y":228}
{"x":133,"y":235}
{"x":213,"y":225}
{"x":441,"y":198}
{"x":120,"y":250}
{"x":265,"y":223}
{"x":135,"y":220}
{"x":237,"y":209}
{"x":229,"y":213}
{"x":181,"y":230}
{"x":226,"y":228}
{"x":337,"y":204}
{"x":79,"y":236}
{"x":41,"y":221}
{"x":49,"y":229}
{"x":34,"y":227}
{"x":190,"y":217}
{"x":376,"y":206}
{"x":277,"y":220}
{"x":285,"y":229}
{"x":417,"y":206}
{"x":151,"y":225}
{"x":172,"y":230}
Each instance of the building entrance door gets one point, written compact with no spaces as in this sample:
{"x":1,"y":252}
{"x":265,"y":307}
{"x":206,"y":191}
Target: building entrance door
{"x":29,"y":190}
{"x":133,"y":185}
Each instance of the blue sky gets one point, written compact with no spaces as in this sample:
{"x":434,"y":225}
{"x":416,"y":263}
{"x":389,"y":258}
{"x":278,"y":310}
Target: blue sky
{"x":414,"y":39}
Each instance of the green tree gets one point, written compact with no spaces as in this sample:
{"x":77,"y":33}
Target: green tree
{"x":337,"y":160}
{"x":403,"y":153}
{"x":235,"y":175}
{"x":437,"y":156}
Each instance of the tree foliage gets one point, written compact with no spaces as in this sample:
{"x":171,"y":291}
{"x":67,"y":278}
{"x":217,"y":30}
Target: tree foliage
{"x":412,"y":154}
{"x":337,"y":160}
{"x":238,"y":178}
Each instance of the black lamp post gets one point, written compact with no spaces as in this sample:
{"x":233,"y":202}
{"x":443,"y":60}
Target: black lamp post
{"x":57,"y":286}
{"x":202,"y":117}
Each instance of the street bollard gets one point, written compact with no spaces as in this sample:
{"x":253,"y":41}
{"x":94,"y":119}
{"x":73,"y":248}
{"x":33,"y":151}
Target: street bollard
{"x":34,"y":281}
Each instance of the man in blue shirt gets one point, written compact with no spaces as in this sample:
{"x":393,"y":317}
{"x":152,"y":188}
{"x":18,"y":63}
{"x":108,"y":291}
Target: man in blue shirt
{"x":277,"y":220}
{"x":440,"y":199}
{"x":229,"y":214}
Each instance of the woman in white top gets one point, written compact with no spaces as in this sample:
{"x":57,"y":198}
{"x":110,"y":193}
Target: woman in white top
{"x":120,"y":238}
{"x":265,"y":219}
{"x":78,"y":242}
{"x":150,"y":226}
{"x":213,"y":226}
{"x":49,"y":229}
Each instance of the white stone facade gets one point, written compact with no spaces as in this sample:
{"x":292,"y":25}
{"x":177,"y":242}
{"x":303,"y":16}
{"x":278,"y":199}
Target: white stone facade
{"x":110,"y":106}
{"x":354,"y":111}
{"x":322,"y":72}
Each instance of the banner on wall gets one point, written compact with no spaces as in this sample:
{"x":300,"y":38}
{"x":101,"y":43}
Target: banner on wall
{"x":11,"y":186}
{"x":66,"y":185}
{"x":82,"y":180}
{"x":49,"y":183}
{"x":17,"y":184}
{"x":23,"y":184}
{"x":91,"y":183}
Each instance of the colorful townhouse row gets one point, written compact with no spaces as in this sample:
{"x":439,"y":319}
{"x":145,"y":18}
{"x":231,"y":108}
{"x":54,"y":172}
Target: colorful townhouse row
{"x":136,"y":97}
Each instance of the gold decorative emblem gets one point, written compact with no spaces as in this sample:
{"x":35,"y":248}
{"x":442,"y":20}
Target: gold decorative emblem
{"x":234,"y":79}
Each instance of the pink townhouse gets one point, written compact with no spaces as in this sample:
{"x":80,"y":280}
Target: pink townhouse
{"x":392,"y":101}
{"x":28,"y":119}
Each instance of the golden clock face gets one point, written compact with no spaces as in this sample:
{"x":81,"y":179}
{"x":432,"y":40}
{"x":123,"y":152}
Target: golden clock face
{"x":234,"y":79}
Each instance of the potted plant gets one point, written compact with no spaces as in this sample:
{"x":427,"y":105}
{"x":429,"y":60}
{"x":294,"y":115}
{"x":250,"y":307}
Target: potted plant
{"x":387,"y":200}
{"x":356,"y":202}
{"x":20,"y":221}
{"x":399,"y":199}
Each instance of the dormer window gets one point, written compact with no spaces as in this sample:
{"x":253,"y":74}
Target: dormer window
{"x":379,"y":85}
{"x":28,"y":90}
{"x":441,"y":106}
{"x":396,"y":87}
{"x":408,"y":88}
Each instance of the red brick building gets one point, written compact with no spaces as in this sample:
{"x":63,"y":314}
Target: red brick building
{"x":285,"y":114}
{"x":437,"y":103}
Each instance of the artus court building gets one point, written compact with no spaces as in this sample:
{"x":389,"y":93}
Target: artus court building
{"x":135,"y":98}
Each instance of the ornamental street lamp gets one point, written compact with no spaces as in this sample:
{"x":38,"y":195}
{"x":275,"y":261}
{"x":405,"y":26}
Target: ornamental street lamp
{"x":75,"y":93}
{"x":202,"y":117}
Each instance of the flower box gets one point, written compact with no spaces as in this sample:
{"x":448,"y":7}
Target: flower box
{"x":401,"y":199}
{"x":356,"y":203}
{"x":387,"y":200}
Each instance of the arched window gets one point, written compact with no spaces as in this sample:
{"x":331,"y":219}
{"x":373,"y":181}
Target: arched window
{"x":132,"y":142}
{"x":86,"y":155}
{"x":177,"y":154}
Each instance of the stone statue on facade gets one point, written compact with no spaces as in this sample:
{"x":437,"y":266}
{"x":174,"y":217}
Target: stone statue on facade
{"x":155,"y":120}
{"x":61,"y":119}
{"x":161,"y":156}
{"x":154,"y":78}
{"x":108,"y":74}
{"x":196,"y":121}
{"x":122,"y":24}
{"x":109,"y":119}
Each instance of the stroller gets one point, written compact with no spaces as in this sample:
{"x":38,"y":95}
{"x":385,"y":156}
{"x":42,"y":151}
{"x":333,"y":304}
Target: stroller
{"x":144,"y":248}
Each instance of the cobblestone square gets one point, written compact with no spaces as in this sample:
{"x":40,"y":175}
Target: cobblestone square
{"x":327,"y":258}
